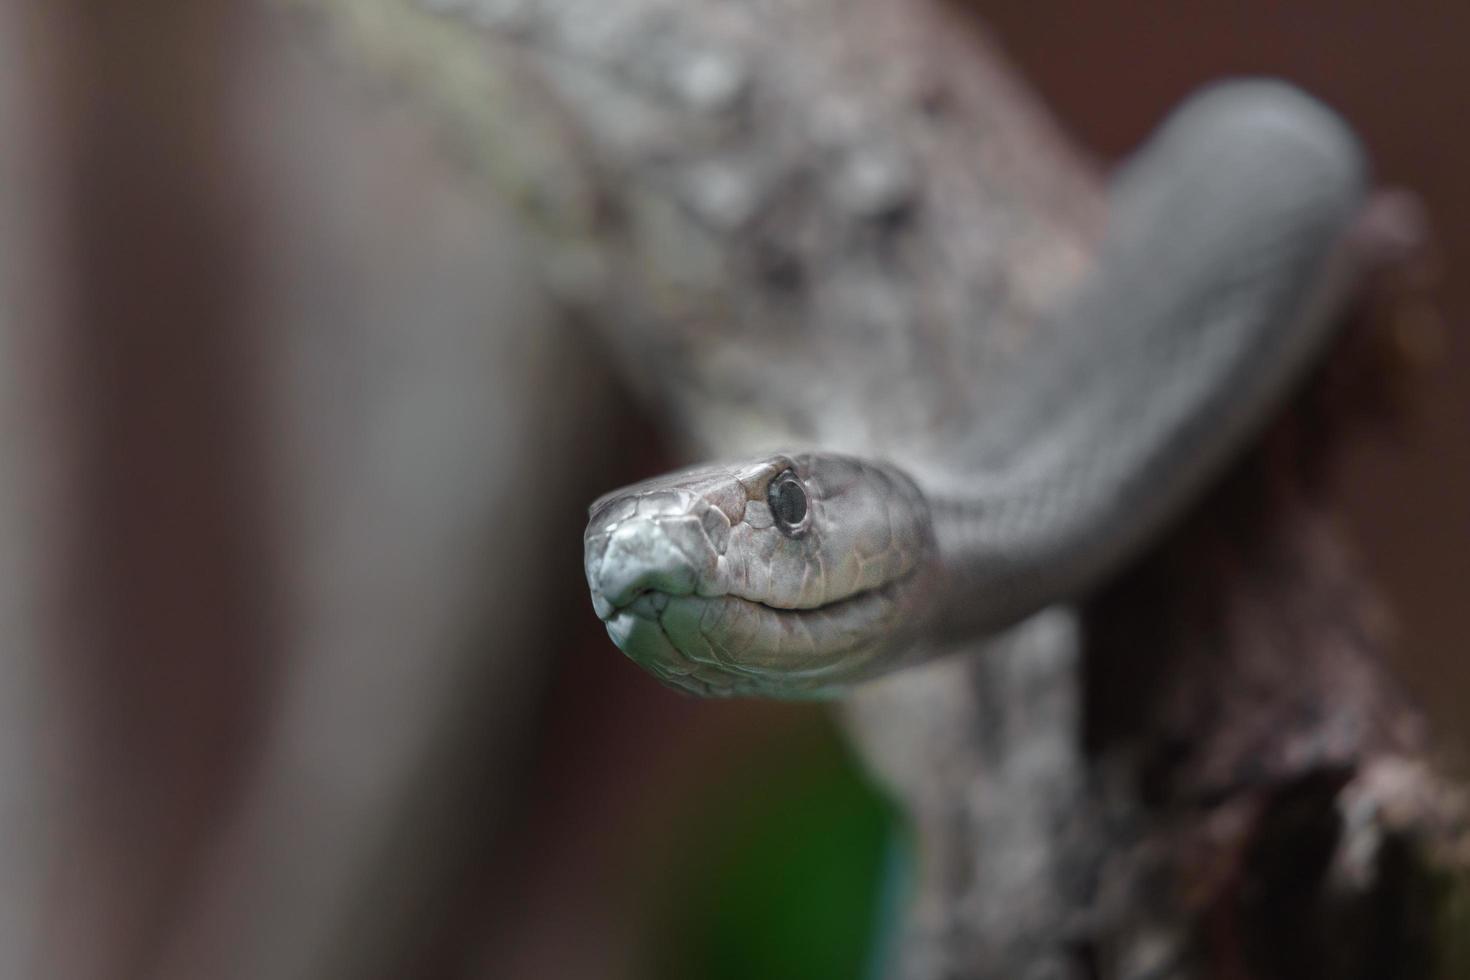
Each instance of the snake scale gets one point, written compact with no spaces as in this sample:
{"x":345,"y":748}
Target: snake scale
{"x":800,"y":573}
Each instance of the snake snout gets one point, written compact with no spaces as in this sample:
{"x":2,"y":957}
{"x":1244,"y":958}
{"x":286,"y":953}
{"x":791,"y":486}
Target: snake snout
{"x":668,"y":555}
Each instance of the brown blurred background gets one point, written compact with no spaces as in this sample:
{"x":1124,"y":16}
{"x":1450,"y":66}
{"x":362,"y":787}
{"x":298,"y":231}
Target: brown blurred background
{"x":236,"y":491}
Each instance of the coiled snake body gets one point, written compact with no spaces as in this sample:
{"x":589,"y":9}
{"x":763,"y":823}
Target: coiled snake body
{"x":801,"y":573}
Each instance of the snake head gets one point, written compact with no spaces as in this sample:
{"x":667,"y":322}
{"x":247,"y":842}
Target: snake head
{"x":788,"y":575}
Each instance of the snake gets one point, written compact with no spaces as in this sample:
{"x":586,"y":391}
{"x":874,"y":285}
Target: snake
{"x":1222,"y":268}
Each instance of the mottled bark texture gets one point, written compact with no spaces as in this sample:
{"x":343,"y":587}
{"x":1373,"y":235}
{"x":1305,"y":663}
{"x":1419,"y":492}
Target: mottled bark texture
{"x":832,"y":221}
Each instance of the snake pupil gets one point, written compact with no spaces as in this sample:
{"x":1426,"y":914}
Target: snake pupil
{"x":787,"y":500}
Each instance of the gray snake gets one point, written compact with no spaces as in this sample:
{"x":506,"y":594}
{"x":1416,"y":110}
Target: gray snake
{"x":800,"y":573}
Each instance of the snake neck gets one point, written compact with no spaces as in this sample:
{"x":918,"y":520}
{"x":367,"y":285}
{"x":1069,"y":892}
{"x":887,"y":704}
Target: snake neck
{"x":1218,"y":283}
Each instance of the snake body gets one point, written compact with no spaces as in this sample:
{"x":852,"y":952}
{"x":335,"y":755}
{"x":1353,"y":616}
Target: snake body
{"x":800,"y":573}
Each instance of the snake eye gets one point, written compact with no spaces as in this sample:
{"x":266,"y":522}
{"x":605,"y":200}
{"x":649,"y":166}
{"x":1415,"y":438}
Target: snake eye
{"x":787,"y":500}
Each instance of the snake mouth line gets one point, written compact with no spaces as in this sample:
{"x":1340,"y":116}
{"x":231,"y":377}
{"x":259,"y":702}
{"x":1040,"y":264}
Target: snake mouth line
{"x":651,"y":608}
{"x":851,"y":599}
{"x":651,"y":603}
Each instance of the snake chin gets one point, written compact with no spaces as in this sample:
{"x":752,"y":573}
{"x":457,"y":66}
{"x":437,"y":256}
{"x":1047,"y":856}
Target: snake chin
{"x":732,"y":646}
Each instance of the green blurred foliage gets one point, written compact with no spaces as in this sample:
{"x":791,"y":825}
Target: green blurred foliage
{"x":785,"y":868}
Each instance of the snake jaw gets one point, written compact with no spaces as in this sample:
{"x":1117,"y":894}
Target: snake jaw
{"x":642,"y":631}
{"x":638,"y":632}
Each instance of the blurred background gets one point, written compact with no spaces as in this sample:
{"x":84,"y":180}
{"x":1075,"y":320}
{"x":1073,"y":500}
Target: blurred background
{"x":301,"y":676}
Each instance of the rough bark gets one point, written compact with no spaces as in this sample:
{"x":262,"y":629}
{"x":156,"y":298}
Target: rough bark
{"x":1209,"y":772}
